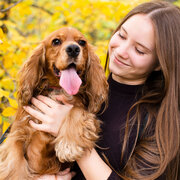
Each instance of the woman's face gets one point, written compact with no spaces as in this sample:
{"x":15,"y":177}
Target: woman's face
{"x":132,"y":51}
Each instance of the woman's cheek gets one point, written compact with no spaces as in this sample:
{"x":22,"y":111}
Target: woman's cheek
{"x":114,"y":42}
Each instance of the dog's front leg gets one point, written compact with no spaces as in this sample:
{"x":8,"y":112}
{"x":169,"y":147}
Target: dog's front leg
{"x":78,"y":133}
{"x":41,"y":155}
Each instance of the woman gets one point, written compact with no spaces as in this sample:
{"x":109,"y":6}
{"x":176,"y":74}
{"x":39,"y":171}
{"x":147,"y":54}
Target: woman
{"x":141,"y":127}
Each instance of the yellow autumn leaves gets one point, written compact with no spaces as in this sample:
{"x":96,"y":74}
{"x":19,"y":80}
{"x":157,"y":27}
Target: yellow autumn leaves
{"x":9,"y":111}
{"x":23,"y":26}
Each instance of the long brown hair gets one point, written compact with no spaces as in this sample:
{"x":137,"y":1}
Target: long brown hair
{"x":158,"y":150}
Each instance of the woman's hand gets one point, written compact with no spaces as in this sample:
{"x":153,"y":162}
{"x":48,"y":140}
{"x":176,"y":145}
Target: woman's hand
{"x":51,"y":115}
{"x":63,"y":175}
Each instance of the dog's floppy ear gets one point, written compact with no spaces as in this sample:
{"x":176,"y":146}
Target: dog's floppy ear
{"x":97,"y":86}
{"x":31,"y":74}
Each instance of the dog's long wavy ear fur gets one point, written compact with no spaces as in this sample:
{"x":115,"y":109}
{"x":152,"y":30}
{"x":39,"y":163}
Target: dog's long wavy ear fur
{"x":31,"y":74}
{"x":97,"y":86}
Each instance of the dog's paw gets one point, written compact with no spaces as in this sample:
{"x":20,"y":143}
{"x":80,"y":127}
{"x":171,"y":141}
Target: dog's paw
{"x":68,"y":151}
{"x":78,"y":133}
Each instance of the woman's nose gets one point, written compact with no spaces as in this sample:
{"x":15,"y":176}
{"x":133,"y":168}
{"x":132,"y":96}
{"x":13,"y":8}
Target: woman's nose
{"x":122,"y":50}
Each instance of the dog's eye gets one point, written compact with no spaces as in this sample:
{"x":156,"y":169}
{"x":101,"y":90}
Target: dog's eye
{"x":56,"y":42}
{"x":82,"y":42}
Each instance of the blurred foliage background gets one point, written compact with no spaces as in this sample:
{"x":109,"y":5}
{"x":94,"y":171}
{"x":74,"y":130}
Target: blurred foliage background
{"x":24,"y":23}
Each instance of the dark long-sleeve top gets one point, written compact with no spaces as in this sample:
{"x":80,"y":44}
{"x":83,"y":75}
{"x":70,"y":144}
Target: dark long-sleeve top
{"x":121,"y":98}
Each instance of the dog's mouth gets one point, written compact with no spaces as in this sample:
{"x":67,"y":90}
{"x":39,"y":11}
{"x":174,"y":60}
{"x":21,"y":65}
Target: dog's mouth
{"x":57,"y":72}
{"x":69,"y":78}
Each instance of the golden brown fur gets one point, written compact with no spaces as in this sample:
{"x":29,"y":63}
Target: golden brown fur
{"x":27,"y":152}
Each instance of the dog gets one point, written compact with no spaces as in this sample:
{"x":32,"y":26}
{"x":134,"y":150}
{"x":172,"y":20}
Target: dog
{"x":64,"y":56}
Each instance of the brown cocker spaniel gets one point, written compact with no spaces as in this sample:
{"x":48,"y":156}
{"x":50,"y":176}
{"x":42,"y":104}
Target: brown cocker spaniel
{"x":63,"y":63}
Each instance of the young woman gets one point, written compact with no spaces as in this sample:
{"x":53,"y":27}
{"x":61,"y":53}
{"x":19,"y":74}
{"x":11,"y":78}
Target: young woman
{"x":141,"y":127}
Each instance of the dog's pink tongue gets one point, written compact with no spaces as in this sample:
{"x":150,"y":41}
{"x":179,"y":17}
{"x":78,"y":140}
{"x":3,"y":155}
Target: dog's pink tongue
{"x":70,"y":81}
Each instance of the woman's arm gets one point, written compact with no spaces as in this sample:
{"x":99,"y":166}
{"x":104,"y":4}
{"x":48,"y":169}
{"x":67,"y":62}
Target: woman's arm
{"x":93,"y":167}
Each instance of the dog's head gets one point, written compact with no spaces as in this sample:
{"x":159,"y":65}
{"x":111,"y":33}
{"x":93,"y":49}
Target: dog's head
{"x":65,"y":59}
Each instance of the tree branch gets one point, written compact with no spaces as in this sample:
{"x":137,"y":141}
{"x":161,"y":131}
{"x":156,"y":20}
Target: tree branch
{"x":42,"y":8}
{"x":21,"y":33}
{"x":7,"y":9}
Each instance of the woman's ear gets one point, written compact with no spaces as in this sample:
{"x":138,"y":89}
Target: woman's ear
{"x":96,"y":83}
{"x":31,"y":74}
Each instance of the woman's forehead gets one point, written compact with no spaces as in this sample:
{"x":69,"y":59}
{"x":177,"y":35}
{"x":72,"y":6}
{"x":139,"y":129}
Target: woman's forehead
{"x":140,"y":28}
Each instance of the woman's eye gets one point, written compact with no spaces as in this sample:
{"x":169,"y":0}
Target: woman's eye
{"x":121,"y":36}
{"x":56,"y":42}
{"x":139,"y":51}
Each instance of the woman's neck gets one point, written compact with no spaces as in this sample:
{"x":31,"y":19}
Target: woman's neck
{"x":127,"y":81}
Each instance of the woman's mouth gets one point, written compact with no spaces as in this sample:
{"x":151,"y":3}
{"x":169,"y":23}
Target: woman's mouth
{"x":118,"y":61}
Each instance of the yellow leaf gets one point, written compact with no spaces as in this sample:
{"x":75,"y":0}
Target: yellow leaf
{"x":13,"y":103}
{"x":18,"y":59}
{"x":25,"y":10}
{"x":1,"y":34}
{"x":4,"y":93}
{"x":0,"y":119}
{"x":13,"y":72}
{"x":4,"y":46}
{"x":1,"y":72}
{"x":9,"y":111}
{"x":7,"y":60}
{"x":5,"y":126}
{"x":7,"y":83}
{"x":15,"y":94}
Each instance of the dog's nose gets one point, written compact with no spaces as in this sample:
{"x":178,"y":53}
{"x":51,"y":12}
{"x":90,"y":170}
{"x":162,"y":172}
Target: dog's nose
{"x":73,"y":50}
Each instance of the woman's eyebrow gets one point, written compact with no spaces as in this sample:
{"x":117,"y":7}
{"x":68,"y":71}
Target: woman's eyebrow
{"x":124,"y":29}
